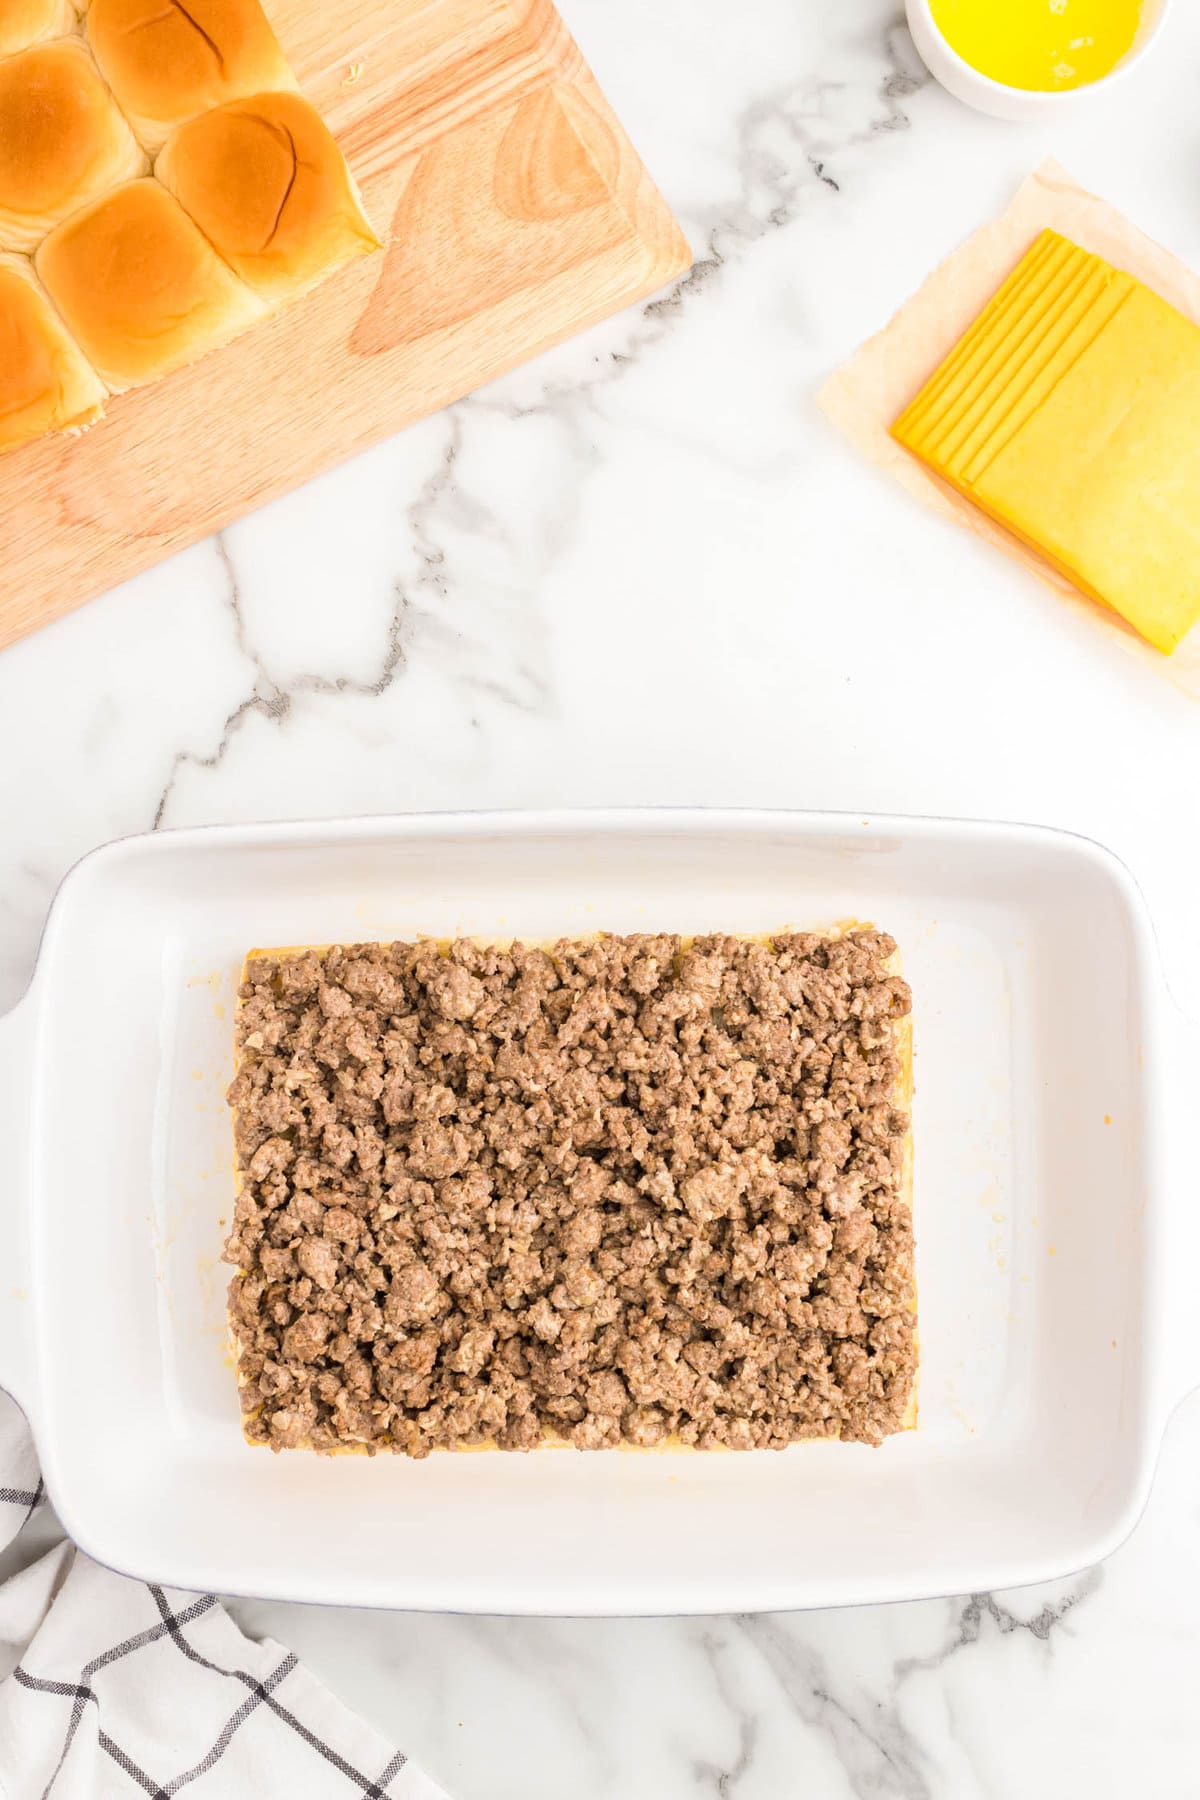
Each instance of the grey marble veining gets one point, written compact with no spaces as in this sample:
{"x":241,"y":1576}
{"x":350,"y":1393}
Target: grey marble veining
{"x":641,"y":569}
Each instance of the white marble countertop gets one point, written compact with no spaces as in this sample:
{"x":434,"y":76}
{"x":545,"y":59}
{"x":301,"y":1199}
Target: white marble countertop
{"x":642,"y":569}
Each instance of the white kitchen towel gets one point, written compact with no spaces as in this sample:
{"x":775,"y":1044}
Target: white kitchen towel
{"x":112,"y":1688}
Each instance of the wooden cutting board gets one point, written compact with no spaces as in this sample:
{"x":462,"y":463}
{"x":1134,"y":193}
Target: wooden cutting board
{"x":515,"y":212}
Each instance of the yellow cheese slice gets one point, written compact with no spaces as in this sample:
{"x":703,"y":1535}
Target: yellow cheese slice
{"x":999,"y":318}
{"x":1070,"y":412}
{"x":1004,"y":409}
{"x":1048,"y":341}
{"x":1032,"y":330}
{"x":1105,"y":477}
{"x":994,"y":328}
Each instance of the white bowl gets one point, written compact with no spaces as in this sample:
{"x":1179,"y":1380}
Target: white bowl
{"x":997,"y":97}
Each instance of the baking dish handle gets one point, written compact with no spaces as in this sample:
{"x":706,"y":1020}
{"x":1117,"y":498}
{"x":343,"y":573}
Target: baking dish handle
{"x":1183,"y":1229}
{"x":17,"y":1369}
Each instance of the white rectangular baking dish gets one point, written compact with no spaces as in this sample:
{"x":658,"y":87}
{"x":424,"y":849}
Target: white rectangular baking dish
{"x":1055,"y":1091}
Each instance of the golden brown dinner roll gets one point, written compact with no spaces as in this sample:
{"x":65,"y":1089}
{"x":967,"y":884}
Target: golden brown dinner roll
{"x":266,"y":183}
{"x":45,"y":383}
{"x":25,"y":22}
{"x":62,"y":139}
{"x":166,"y":62}
{"x":140,"y":287}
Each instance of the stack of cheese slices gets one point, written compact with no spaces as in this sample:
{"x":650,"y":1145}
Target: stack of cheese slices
{"x":163,"y":184}
{"x":1070,"y":412}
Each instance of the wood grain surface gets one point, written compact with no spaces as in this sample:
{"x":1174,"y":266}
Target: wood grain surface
{"x":514,"y":211}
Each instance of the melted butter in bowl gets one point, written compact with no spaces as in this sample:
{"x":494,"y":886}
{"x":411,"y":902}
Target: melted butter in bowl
{"x":1043,"y":45}
{"x":1024,"y":58}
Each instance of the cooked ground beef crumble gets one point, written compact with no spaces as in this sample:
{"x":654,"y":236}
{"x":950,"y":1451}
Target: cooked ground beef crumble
{"x":623,"y":1189}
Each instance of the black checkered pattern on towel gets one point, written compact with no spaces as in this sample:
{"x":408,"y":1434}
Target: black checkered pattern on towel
{"x":123,"y":1688}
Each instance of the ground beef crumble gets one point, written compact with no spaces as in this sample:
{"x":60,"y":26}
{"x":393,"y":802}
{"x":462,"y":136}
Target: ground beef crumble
{"x":623,"y":1189}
